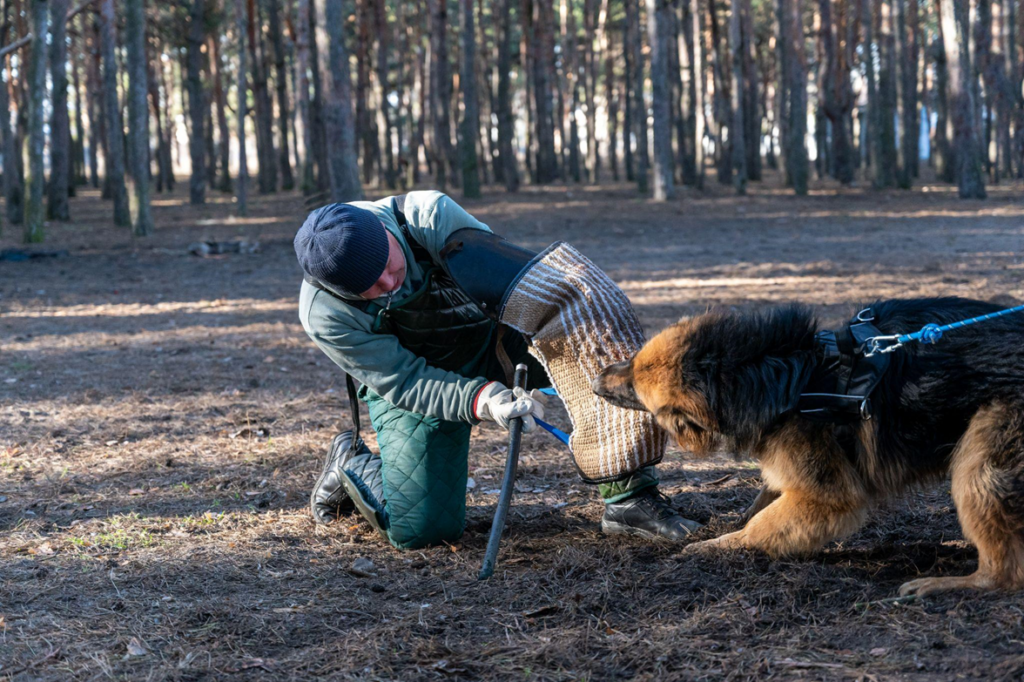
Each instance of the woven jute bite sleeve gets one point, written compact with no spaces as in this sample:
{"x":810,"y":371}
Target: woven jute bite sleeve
{"x":579,"y":322}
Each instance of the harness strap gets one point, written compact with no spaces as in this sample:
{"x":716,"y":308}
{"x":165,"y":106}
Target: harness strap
{"x":353,"y":404}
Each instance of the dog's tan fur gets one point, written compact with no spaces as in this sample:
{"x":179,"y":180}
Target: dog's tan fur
{"x":817,"y":493}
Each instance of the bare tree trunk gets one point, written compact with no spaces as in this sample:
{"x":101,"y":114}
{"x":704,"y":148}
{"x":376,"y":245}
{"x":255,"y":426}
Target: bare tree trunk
{"x":316,"y":104}
{"x":277,"y":38}
{"x":874,"y":123}
{"x":697,"y":14}
{"x":687,"y":145}
{"x":78,"y":147}
{"x":955,"y":29}
{"x":909,"y":55}
{"x":738,"y":127}
{"x":35,"y":139}
{"x":640,"y":106}
{"x":835,"y":88}
{"x":470,"y":115}
{"x":12,"y":189}
{"x":343,"y":165}
{"x":302,"y":88}
{"x":440,"y":92}
{"x":196,"y":104}
{"x":721,"y":104}
{"x":888,"y":160}
{"x":796,"y":86}
{"x":223,"y":133}
{"x":1015,"y":57}
{"x":138,"y":114}
{"x":595,"y":36}
{"x":267,"y":173}
{"x":998,"y":90}
{"x":542,"y":45}
{"x":60,"y":127}
{"x":945,"y":163}
{"x":611,"y":96}
{"x":364,"y":131}
{"x":90,"y":53}
{"x":751,"y":97}
{"x":506,"y":131}
{"x":383,"y":47}
{"x":242,"y":181}
{"x":112,"y":114}
{"x":154,"y":101}
{"x":659,"y":25}
{"x":570,"y":55}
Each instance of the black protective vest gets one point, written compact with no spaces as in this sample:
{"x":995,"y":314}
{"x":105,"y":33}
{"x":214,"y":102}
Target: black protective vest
{"x":437,"y":322}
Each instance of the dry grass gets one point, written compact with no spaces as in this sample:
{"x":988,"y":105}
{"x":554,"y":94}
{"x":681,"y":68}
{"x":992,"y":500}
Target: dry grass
{"x":140,"y":540}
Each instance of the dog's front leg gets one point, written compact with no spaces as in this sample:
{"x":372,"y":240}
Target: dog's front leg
{"x":794,"y":524}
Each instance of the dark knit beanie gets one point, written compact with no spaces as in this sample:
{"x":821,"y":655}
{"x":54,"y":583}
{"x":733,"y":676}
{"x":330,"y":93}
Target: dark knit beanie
{"x":344,"y":246}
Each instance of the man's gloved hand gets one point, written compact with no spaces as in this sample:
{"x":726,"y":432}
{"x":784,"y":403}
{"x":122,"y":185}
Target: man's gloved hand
{"x":499,"y":404}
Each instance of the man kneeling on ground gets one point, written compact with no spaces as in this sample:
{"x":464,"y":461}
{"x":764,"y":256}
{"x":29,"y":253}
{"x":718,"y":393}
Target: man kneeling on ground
{"x":377,"y":302}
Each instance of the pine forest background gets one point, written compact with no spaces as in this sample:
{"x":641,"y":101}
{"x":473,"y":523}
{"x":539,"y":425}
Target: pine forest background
{"x":334,"y":96}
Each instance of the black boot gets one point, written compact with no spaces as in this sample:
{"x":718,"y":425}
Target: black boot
{"x":648,"y":514}
{"x":329,"y":500}
{"x":363,"y":481}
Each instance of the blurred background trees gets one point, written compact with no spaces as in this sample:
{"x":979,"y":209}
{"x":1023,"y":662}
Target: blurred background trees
{"x":334,"y":97}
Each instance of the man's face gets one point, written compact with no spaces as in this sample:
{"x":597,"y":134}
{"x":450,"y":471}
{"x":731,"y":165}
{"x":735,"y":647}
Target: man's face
{"x":394,"y":272}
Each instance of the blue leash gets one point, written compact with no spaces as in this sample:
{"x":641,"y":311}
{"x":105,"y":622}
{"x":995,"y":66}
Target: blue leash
{"x":930,"y":333}
{"x":556,"y":432}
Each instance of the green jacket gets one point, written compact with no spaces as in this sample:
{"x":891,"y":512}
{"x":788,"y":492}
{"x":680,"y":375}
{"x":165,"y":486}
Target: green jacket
{"x":345,"y":333}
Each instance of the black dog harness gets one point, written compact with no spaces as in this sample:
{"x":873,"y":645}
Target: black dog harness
{"x":845,"y":375}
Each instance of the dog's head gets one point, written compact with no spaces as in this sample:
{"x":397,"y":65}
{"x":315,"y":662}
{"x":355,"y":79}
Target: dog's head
{"x":718,"y":374}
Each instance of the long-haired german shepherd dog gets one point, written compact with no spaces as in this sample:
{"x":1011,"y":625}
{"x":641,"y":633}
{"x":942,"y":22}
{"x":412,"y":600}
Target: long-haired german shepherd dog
{"x":955,"y":406}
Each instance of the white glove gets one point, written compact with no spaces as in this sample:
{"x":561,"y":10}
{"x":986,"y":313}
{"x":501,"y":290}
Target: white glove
{"x":500,"y":405}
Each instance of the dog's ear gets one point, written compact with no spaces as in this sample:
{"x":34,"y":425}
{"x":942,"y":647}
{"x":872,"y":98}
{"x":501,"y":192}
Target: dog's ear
{"x":615,"y":384}
{"x":768,"y":389}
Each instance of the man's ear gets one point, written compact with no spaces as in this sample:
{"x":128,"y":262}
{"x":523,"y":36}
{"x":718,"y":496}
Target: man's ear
{"x":615,"y":384}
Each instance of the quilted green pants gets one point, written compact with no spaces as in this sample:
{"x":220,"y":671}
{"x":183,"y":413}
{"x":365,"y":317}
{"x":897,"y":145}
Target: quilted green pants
{"x":425,"y":463}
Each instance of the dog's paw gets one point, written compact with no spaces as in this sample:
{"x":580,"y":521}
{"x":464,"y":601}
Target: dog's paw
{"x":704,"y":547}
{"x":923,"y":587}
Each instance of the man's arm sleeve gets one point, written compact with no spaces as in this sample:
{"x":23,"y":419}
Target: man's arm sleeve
{"x":400,"y":377}
{"x":436,"y":217}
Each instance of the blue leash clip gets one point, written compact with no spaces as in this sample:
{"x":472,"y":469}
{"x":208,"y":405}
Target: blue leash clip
{"x":930,"y":333}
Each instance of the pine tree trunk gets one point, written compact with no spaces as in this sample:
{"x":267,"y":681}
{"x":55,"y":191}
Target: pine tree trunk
{"x":223,"y":183}
{"x":611,"y":96}
{"x":721,"y":105}
{"x":383,"y":46}
{"x":699,"y":117}
{"x":241,"y":107}
{"x":267,"y":173}
{"x":112,"y":115}
{"x":154,"y":101}
{"x":78,"y":148}
{"x":955,"y":29}
{"x":277,"y":38}
{"x":364,"y":131}
{"x":595,"y":36}
{"x":751,"y":96}
{"x":888,"y":160}
{"x":35,"y":139}
{"x":138,"y":113}
{"x":658,"y":35}
{"x":196,"y":104}
{"x":909,"y":56}
{"x":1015,"y":55}
{"x":316,"y":104}
{"x":945,"y":164}
{"x":90,"y":53}
{"x":570,"y":55}
{"x":470,"y":116}
{"x":506,"y":130}
{"x":542,"y":45}
{"x":13,"y":189}
{"x":738,"y":126}
{"x":440,"y":93}
{"x":796,"y":87}
{"x":344,"y":169}
{"x":60,"y":129}
{"x":302,"y":67}
{"x":687,"y":146}
{"x":998,"y":90}
{"x":639,"y":105}
{"x":835,"y":88}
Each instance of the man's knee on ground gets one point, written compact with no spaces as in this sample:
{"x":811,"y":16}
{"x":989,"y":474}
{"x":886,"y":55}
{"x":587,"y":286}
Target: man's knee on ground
{"x":407,"y":534}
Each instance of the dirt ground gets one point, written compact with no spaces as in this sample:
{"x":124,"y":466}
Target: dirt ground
{"x":150,"y":530}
